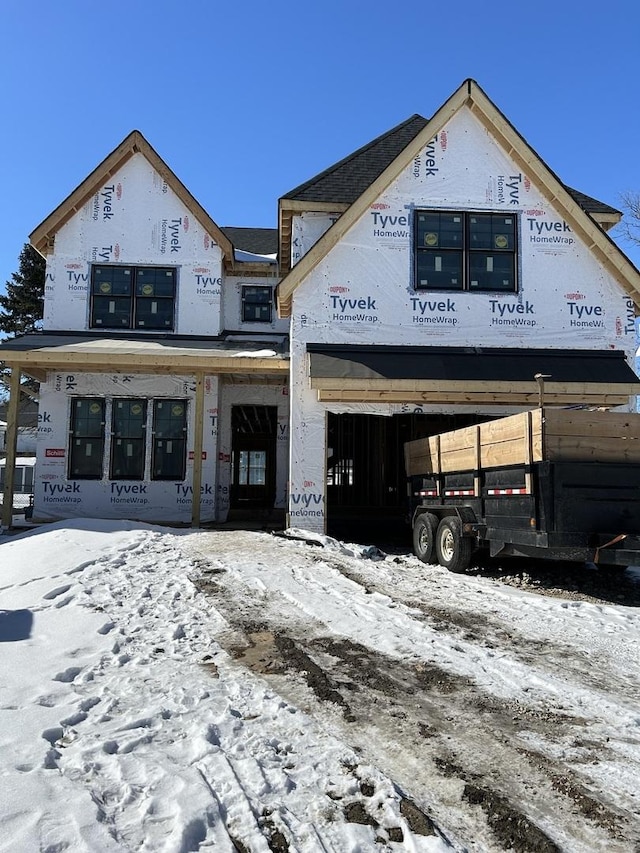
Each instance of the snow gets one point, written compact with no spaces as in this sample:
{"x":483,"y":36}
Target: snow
{"x":128,"y":723}
{"x":126,"y":727}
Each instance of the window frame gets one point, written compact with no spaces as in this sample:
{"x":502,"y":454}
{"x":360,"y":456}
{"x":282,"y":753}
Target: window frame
{"x":133,"y":302}
{"x":125,"y":437}
{"x":247,"y":303}
{"x":466,"y":252}
{"x":151,"y":454}
{"x":82,"y":439}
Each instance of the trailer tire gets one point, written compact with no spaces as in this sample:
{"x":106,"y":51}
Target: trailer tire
{"x":452,"y":547}
{"x":424,"y":537}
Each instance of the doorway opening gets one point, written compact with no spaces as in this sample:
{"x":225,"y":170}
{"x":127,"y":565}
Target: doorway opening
{"x":253,"y":456}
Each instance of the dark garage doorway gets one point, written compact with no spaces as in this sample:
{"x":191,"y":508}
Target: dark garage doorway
{"x":366,"y":479}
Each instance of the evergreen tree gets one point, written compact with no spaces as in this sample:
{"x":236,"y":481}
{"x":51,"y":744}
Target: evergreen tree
{"x":22,"y":307}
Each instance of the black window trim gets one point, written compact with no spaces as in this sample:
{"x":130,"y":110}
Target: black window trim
{"x":466,"y":251}
{"x":133,"y":298}
{"x":107,"y":435}
{"x":245,"y":302}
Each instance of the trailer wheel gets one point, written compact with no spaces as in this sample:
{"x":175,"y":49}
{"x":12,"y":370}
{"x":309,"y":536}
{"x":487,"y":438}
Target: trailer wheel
{"x":424,"y":537}
{"x":453,"y":549}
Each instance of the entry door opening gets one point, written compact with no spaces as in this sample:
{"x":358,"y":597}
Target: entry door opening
{"x":253,"y":446}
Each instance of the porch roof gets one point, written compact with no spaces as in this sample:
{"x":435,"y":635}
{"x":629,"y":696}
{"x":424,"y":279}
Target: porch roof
{"x":466,"y":375}
{"x":37,"y":353}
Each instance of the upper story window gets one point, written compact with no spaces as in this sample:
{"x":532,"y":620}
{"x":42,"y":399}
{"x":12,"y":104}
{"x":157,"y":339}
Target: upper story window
{"x":132,"y":297}
{"x":465,"y":251}
{"x":256,"y":304}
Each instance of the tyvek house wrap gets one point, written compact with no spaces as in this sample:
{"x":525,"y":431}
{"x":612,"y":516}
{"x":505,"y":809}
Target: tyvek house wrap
{"x":135,"y":218}
{"x":147,"y":500}
{"x":363,"y":292}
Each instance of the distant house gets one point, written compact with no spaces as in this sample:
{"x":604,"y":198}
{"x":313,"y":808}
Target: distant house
{"x":189,"y":371}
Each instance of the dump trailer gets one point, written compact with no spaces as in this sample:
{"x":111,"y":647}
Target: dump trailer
{"x":560,"y":484}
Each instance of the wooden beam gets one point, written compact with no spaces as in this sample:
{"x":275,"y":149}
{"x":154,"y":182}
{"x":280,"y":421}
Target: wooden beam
{"x":197,"y":451}
{"x":11,"y":445}
{"x":425,"y":386}
{"x":479,"y":398}
{"x":88,"y":360}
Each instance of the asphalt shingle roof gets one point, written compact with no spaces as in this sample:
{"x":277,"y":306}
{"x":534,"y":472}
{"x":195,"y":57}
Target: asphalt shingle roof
{"x":346,"y":180}
{"x":260,"y":241}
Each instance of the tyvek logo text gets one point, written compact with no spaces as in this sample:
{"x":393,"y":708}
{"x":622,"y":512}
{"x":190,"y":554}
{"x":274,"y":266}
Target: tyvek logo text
{"x":435,"y":312}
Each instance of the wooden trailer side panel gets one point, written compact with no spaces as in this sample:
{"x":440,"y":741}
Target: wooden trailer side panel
{"x":555,"y":435}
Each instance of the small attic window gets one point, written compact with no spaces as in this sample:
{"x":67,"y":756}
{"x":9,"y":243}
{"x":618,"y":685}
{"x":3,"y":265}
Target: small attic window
{"x":257,"y":304}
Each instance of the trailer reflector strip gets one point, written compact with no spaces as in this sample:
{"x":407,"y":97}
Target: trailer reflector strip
{"x":428,"y":493}
{"x":507,"y":491}
{"x":458,"y":493}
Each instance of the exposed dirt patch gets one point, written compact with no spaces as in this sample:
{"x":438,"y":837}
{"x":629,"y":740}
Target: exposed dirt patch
{"x":510,"y":826}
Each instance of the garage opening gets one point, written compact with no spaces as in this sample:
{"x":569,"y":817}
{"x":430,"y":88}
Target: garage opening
{"x":366,"y":479}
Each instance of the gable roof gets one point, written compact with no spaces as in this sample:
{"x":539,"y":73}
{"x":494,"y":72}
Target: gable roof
{"x":42,"y":237}
{"x":346,"y":180}
{"x":371,"y":169}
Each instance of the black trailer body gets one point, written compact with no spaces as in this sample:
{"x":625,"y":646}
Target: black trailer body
{"x":579,"y":509}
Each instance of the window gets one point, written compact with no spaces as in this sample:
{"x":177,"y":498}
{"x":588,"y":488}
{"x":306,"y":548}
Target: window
{"x":131,"y":454}
{"x":86,"y":442}
{"x":251,"y":468}
{"x":169,"y":440}
{"x":128,"y":426}
{"x":132,"y":297}
{"x":22,"y":479}
{"x":256,"y":304}
{"x":465,"y":251}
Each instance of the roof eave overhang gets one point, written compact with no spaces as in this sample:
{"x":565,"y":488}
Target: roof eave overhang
{"x":595,"y":238}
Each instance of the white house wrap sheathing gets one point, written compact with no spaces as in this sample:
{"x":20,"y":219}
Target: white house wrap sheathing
{"x":135,"y":218}
{"x":362,"y":291}
{"x":58,"y":497}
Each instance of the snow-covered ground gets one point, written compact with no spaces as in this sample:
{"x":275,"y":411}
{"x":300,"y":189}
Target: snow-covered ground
{"x":188,"y":690}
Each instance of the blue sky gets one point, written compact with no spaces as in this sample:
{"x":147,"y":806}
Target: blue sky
{"x":246,"y":100}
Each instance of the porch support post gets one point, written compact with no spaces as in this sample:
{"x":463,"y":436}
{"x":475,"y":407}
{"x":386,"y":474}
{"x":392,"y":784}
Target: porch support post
{"x":12,"y":441}
{"x":197,"y":451}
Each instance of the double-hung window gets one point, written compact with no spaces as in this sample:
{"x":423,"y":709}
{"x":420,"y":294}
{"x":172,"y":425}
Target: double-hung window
{"x":128,"y":429}
{"x":465,"y":251}
{"x":256,"y":304}
{"x":86,"y":438}
{"x":132,"y":297}
{"x":168,"y":451}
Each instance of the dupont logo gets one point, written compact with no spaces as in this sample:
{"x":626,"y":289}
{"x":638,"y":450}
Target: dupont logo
{"x":380,"y":206}
{"x":116,"y":251}
{"x":185,"y":223}
{"x":338,"y":288}
{"x":574,"y":296}
{"x":55,"y":452}
{"x":527,"y":184}
{"x":118,"y":191}
{"x":443,"y":140}
{"x":207,"y":241}
{"x":74,"y":266}
{"x":202,"y":270}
